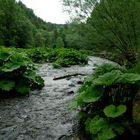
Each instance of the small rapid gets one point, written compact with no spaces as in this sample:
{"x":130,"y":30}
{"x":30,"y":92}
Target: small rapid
{"x":45,"y":114}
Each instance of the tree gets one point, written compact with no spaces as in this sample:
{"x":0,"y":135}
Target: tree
{"x":39,"y":39}
{"x":59,"y":42}
{"x":115,"y":21}
{"x":80,"y":8}
{"x":8,"y":18}
{"x":24,"y":33}
{"x":114,"y":24}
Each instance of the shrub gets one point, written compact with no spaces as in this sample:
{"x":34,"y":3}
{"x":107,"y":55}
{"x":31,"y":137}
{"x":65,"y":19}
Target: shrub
{"x":65,"y":57}
{"x":18,"y":72}
{"x":60,"y":57}
{"x":105,"y":101}
{"x":37,"y":55}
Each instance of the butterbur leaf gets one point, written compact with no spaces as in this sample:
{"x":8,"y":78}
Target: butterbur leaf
{"x":93,"y":94}
{"x":80,"y":98}
{"x":113,"y":111}
{"x":129,"y":78}
{"x":9,"y":67}
{"x":5,"y":56}
{"x":108,"y":78}
{"x":106,"y":68}
{"x":6,"y":85}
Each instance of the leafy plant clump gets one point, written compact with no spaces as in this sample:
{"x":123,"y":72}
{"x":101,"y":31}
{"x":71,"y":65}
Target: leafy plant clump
{"x":18,"y":72}
{"x":62,"y":57}
{"x":38,"y":55}
{"x":105,"y":101}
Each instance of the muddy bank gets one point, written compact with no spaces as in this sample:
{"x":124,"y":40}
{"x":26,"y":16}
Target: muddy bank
{"x":45,"y":115}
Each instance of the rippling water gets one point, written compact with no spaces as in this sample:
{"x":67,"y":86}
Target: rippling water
{"x":45,"y":115}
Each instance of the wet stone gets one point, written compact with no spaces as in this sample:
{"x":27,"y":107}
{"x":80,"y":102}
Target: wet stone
{"x":45,"y":114}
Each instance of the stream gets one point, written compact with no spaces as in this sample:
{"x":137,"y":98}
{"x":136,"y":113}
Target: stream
{"x":45,"y":114}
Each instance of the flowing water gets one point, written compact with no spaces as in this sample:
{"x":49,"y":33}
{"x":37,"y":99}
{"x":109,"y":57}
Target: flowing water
{"x":45,"y":114}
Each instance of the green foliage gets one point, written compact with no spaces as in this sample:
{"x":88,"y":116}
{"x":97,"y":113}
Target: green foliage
{"x":109,"y":26}
{"x":38,"y":54}
{"x":6,"y":85}
{"x":18,"y":73}
{"x":20,"y":27}
{"x":105,"y":101}
{"x":113,"y":111}
{"x":60,"y":57}
{"x":63,"y":57}
{"x":59,"y":42}
{"x":107,"y":68}
{"x":99,"y":128}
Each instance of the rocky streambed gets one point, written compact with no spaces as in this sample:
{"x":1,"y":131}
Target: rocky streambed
{"x":45,"y":114}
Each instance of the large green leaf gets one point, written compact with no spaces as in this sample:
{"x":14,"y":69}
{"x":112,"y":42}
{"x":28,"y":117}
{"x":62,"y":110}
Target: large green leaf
{"x":30,"y":74}
{"x":105,"y":68}
{"x":5,"y":56}
{"x":6,"y":85}
{"x":20,"y":59}
{"x":9,"y":67}
{"x":108,"y":78}
{"x":113,"y":111}
{"x":129,"y":78}
{"x":93,"y":94}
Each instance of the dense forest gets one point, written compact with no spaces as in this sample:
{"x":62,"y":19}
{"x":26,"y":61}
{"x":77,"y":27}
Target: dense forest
{"x":21,"y":28}
{"x":109,"y":100}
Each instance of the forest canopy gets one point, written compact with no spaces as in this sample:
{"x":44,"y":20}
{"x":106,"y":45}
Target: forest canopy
{"x":110,"y":25}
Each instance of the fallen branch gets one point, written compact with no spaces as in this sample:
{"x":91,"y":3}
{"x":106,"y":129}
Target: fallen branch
{"x":66,"y":76}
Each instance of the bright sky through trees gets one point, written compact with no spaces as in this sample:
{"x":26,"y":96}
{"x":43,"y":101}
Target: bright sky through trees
{"x":48,"y":10}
